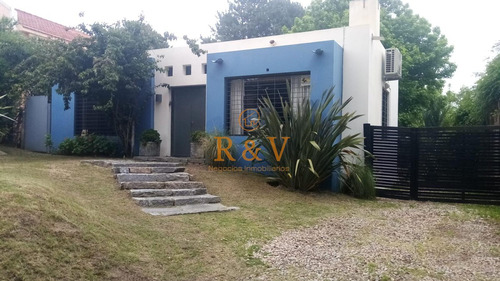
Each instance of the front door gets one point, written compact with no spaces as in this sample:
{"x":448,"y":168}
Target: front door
{"x":188,"y":115}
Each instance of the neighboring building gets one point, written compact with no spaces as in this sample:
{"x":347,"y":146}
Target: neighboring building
{"x":209,"y":92}
{"x":32,"y":25}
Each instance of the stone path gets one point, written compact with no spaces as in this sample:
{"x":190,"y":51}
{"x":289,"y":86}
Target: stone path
{"x":162,"y":188}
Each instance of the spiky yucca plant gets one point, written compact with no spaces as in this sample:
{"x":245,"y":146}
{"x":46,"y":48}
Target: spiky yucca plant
{"x":3,"y":131}
{"x":315,"y":148}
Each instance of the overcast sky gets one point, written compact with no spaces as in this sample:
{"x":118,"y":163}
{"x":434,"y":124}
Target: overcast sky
{"x":471,"y":26}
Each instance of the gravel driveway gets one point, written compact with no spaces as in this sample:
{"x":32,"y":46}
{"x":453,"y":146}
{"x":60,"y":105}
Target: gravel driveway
{"x":410,"y":241}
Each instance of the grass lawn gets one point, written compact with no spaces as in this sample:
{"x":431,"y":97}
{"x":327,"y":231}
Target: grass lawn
{"x":61,"y":220}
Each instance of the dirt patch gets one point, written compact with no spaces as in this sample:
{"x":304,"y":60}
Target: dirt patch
{"x":412,"y":241}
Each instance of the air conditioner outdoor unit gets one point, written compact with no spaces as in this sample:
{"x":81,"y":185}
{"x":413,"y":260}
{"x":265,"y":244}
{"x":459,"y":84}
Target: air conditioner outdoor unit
{"x":393,"y":64}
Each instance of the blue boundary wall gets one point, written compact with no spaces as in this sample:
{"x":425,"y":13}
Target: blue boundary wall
{"x":62,"y":122}
{"x":325,"y":70}
{"x":146,"y":121}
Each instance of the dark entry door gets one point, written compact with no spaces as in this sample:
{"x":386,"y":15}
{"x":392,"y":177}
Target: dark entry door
{"x":188,"y":115}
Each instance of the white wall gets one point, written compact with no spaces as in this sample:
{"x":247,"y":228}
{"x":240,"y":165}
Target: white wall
{"x":176,"y":57}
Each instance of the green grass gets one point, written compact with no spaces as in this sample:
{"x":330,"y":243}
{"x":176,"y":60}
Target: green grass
{"x":62,"y":220}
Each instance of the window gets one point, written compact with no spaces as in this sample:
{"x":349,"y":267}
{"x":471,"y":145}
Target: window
{"x":94,"y":121}
{"x":187,"y":69}
{"x":385,"y":107}
{"x":204,"y":68}
{"x":245,"y":93}
{"x":170,"y":71}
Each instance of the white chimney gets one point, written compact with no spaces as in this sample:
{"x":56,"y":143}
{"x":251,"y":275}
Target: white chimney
{"x":365,"y":12}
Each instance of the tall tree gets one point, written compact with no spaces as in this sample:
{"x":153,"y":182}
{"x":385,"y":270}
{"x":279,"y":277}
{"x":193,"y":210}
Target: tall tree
{"x":255,"y":18}
{"x":488,"y":93}
{"x":14,"y":49}
{"x":112,"y":66}
{"x":426,"y":53}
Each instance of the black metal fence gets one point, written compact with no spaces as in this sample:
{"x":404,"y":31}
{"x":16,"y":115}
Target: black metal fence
{"x":438,"y":164}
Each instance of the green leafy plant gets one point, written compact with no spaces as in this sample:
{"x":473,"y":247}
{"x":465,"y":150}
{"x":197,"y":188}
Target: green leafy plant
{"x":210,"y":149}
{"x":48,"y":142}
{"x":199,"y":137}
{"x":150,"y":135}
{"x":357,"y":180}
{"x":89,"y":145}
{"x":315,"y":148}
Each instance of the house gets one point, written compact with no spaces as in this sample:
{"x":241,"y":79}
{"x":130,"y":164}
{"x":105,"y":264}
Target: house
{"x":213,"y":91}
{"x":210,"y":92}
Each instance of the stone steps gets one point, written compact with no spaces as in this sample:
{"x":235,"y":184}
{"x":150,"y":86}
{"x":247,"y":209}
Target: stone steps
{"x":167,"y":192}
{"x":147,"y":170}
{"x":162,"y":188}
{"x":188,"y":209}
{"x":162,"y":185}
{"x":169,"y":201}
{"x":158,"y":177}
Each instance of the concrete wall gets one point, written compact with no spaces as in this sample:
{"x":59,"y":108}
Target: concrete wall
{"x":37,"y":123}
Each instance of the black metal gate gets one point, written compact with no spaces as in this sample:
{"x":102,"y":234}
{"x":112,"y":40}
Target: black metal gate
{"x":439,"y":164}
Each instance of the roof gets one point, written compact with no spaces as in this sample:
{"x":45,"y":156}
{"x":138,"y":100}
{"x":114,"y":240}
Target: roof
{"x":47,"y":27}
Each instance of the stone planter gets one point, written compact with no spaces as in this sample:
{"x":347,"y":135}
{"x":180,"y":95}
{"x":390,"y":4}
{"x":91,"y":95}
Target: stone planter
{"x":197,"y":150}
{"x":149,"y":149}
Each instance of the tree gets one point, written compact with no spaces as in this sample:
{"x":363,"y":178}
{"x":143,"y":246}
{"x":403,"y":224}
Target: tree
{"x":14,"y":49}
{"x":426,"y":53}
{"x":488,"y":93}
{"x":467,"y":111}
{"x":112,"y":66}
{"x":255,"y":18}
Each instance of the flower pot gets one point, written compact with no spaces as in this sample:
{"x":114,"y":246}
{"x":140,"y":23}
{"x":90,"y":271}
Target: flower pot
{"x":149,"y":149}
{"x":197,"y":150}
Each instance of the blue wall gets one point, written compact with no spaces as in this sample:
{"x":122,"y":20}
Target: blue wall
{"x":325,"y":70}
{"x":62,"y":122}
{"x":146,"y":121}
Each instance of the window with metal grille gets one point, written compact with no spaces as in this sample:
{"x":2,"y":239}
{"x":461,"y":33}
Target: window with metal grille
{"x":246,"y":92}
{"x":94,"y":121}
{"x":170,"y":71}
{"x":385,"y":107}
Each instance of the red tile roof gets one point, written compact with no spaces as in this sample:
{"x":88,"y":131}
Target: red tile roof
{"x":47,"y":27}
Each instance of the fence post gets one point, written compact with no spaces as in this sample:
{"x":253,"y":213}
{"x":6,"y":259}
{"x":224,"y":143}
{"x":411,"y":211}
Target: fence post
{"x":414,"y":163}
{"x":368,"y":134}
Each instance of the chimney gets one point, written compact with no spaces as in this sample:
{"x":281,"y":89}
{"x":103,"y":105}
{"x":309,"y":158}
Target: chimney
{"x":365,"y":12}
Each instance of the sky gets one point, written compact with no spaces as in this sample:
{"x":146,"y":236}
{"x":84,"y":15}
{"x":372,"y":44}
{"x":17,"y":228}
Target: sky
{"x":472,"y":27}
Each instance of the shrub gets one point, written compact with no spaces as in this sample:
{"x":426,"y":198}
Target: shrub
{"x":357,"y":180}
{"x":150,"y":135}
{"x":89,"y":145}
{"x":210,"y":149}
{"x":199,"y":136}
{"x":315,"y":148}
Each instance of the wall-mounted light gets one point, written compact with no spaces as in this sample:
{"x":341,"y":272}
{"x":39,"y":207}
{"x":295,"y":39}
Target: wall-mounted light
{"x":318,"y":52}
{"x":379,"y":38}
{"x":219,"y":61}
{"x":272,"y":42}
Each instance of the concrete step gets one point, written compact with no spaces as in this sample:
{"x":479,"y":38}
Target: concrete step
{"x":152,"y":177}
{"x":161,"y":159}
{"x":146,"y":164}
{"x":167,"y":201}
{"x":167,"y":192}
{"x":162,"y":185}
{"x":188,"y":209}
{"x":147,"y":170}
